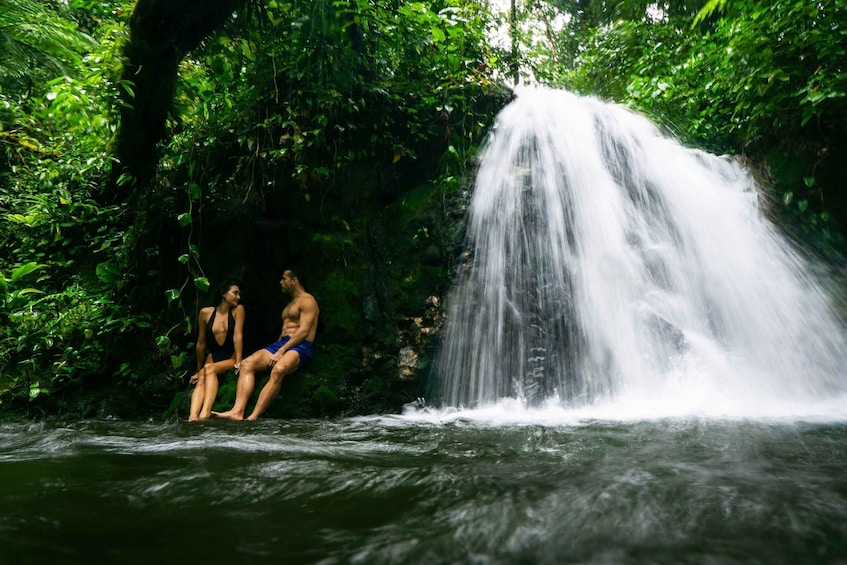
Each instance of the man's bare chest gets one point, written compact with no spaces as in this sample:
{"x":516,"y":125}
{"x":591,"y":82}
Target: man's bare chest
{"x":291,"y":312}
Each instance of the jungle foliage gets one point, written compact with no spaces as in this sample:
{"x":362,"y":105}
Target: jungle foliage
{"x":277,"y":119}
{"x":149,"y":150}
{"x":765,"y":80}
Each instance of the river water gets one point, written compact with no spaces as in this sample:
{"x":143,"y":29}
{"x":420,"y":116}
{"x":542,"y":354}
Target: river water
{"x":502,"y":485}
{"x":636,"y":368}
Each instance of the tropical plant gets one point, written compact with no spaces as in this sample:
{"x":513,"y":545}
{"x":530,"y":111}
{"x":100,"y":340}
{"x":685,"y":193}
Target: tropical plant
{"x":759,"y":79}
{"x":305,"y":103}
{"x":59,"y":330}
{"x":37,"y":39}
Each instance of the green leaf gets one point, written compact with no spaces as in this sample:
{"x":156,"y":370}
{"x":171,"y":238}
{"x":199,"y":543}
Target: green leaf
{"x":34,"y":390}
{"x":128,"y":87}
{"x":25,"y":291}
{"x":247,"y":50}
{"x":108,"y":272}
{"x":24,"y":270}
{"x":172,"y":294}
{"x":184,"y":219}
{"x":201,"y":283}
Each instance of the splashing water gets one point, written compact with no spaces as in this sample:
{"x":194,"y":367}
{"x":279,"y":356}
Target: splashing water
{"x":610,"y":264}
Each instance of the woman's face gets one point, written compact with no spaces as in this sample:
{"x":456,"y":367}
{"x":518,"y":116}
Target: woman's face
{"x":232,"y":296}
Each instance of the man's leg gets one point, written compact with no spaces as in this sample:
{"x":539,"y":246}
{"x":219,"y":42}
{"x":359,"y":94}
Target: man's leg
{"x":259,"y":361}
{"x":285,"y":366}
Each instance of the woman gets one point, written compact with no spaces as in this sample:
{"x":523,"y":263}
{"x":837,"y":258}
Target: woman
{"x":219,"y":348}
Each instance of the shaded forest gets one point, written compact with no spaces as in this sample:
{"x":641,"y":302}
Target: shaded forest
{"x":151,"y":149}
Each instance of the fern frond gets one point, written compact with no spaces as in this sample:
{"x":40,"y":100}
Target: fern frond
{"x":34,"y":36}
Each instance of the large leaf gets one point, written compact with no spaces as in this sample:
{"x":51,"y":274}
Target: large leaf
{"x":24,"y":270}
{"x":108,"y":272}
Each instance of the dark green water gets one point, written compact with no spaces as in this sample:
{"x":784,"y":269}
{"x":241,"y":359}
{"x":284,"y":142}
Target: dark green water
{"x":391,"y":490}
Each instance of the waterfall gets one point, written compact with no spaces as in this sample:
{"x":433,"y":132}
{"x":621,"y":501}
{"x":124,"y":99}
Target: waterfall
{"x":606,"y":260}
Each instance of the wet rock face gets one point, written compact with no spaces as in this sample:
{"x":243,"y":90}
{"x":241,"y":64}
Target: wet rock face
{"x":420,"y":335}
{"x":407,"y":363}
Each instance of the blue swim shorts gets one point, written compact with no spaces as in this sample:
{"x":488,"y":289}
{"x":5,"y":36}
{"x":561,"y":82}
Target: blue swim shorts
{"x":306,"y":350}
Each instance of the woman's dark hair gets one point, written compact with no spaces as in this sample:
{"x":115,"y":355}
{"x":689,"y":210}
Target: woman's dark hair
{"x":224,"y":288}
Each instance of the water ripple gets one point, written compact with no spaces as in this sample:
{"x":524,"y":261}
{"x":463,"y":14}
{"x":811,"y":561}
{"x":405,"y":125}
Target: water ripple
{"x":390,"y":489}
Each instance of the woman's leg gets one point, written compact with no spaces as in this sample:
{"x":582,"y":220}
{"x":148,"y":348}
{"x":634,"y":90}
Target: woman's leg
{"x":197,"y":396}
{"x":213,"y":371}
{"x":211,"y":391}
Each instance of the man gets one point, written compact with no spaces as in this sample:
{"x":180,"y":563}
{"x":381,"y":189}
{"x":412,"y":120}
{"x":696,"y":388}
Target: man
{"x":292,"y":351}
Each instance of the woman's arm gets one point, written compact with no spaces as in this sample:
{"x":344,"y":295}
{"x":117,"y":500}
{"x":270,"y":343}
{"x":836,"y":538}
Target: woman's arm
{"x":202,"y":320}
{"x":238,"y":335}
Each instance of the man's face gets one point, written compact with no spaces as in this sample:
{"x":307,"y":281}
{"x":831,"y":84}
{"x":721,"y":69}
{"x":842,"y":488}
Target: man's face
{"x":286,"y":283}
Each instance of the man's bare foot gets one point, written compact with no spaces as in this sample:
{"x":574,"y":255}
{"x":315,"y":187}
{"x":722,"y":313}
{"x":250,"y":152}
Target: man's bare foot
{"x":228,"y":415}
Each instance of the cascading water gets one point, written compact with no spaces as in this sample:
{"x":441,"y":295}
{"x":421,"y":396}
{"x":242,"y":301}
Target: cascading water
{"x":607,"y":261}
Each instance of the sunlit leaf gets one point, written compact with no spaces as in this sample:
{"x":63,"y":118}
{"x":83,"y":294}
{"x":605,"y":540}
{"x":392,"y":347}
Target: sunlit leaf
{"x":201,"y":283}
{"x":24,"y":270}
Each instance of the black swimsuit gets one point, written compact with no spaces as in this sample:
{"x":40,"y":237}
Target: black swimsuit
{"x":220,"y":352}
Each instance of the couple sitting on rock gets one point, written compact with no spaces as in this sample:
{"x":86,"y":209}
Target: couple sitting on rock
{"x":219,"y":349}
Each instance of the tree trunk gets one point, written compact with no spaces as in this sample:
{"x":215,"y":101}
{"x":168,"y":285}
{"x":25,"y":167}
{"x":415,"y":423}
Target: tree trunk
{"x":162,"y":32}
